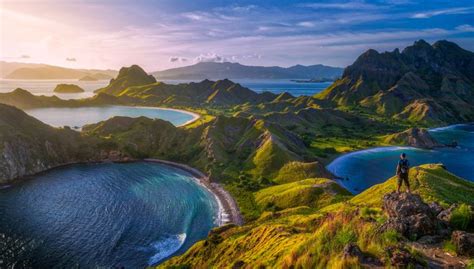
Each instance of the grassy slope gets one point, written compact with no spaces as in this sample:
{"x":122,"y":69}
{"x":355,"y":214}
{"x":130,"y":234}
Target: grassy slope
{"x":431,"y":181}
{"x":305,"y":237}
{"x":313,"y":192}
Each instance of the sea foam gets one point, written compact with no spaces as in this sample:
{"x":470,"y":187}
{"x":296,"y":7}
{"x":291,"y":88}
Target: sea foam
{"x":166,"y":247}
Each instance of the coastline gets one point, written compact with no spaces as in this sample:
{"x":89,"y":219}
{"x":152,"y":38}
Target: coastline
{"x":195,"y":115}
{"x":228,"y":210}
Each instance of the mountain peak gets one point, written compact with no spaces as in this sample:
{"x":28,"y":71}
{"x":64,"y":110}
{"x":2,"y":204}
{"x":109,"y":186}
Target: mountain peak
{"x":127,"y":77}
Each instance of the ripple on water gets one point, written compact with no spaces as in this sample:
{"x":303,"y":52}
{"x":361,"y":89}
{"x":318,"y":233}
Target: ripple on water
{"x":130,"y":215}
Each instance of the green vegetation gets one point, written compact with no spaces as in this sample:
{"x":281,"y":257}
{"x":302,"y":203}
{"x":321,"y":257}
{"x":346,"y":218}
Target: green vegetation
{"x":432,"y":181}
{"x":269,"y":152}
{"x":315,"y":193}
{"x":68,"y":88}
{"x":303,"y":236}
{"x":462,"y":217}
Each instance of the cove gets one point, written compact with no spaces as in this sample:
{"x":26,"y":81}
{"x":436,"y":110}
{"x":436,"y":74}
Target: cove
{"x":362,"y":169}
{"x":107,"y":215}
{"x":77,"y":117}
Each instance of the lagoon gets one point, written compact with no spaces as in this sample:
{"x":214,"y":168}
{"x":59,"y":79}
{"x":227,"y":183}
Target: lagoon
{"x":77,"y":117}
{"x":104,"y":215}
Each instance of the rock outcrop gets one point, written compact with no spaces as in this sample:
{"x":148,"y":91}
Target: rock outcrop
{"x":414,"y":137}
{"x":409,"y":215}
{"x":464,"y":242}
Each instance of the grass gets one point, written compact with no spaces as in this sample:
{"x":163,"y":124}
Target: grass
{"x":315,"y":193}
{"x":431,"y":181}
{"x":302,"y":236}
{"x":462,"y":217}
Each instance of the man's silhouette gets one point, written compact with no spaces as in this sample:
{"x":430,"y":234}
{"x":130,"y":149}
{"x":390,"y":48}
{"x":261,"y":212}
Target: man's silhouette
{"x":403,"y":168}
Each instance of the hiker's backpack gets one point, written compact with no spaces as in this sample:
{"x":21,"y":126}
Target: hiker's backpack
{"x":403,"y":166}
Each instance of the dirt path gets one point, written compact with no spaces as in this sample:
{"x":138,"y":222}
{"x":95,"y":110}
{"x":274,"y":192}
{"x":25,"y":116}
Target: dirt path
{"x":438,"y":258}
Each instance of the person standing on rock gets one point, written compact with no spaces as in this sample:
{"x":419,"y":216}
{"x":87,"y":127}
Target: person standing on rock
{"x":403,"y":168}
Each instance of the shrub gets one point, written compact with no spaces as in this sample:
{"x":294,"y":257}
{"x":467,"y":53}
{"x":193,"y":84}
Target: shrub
{"x":461,"y":217}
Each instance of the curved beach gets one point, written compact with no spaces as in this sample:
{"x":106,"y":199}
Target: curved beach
{"x":228,"y":210}
{"x":195,"y":116}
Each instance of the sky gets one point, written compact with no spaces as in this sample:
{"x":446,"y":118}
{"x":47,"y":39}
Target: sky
{"x":157,"y":35}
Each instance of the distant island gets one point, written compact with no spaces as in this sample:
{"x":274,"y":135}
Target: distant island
{"x":313,"y":80}
{"x":12,"y":70}
{"x":229,"y":70}
{"x":88,"y":78}
{"x":68,"y":88}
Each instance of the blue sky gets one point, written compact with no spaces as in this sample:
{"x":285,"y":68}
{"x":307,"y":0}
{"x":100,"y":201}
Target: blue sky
{"x":165,"y":34}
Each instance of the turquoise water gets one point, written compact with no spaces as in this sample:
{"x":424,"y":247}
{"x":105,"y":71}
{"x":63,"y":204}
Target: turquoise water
{"x":362,"y":169}
{"x":103,"y":215}
{"x":80,"y":116}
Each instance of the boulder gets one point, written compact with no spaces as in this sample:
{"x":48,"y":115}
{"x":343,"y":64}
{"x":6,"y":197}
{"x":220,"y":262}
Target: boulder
{"x":352,"y":250}
{"x":445,"y":215}
{"x":436,"y":208}
{"x":409,"y":215}
{"x":400,"y":257}
{"x":464,"y":242}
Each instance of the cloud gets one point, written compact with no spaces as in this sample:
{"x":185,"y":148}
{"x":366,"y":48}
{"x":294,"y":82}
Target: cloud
{"x":339,"y":5}
{"x":210,"y":58}
{"x":70,"y":59}
{"x":465,"y":28}
{"x":24,"y":56}
{"x":448,"y":11}
{"x":307,"y":24}
{"x":174,"y":59}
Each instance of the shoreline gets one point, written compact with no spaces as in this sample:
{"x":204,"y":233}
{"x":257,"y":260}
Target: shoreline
{"x":228,"y":210}
{"x":195,"y":115}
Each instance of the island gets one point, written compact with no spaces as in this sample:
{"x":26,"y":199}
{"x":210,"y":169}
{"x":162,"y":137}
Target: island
{"x":88,"y":78}
{"x":68,"y":88}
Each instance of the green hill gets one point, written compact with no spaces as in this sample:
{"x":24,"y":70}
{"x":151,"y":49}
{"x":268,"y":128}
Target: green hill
{"x":29,"y":146}
{"x":127,"y":77}
{"x":301,"y":237}
{"x":424,"y":83}
{"x":313,"y":192}
{"x":432,"y":181}
{"x":68,"y":88}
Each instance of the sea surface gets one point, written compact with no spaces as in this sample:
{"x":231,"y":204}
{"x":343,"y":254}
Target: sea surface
{"x":362,"y":169}
{"x":103,"y":216}
{"x":46,"y":87}
{"x":79,"y":116}
{"x":275,"y":85}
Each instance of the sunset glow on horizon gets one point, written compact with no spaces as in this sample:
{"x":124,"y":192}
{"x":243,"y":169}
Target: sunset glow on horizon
{"x":166,"y":34}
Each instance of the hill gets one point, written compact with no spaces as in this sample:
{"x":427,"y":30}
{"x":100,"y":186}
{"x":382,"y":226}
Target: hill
{"x":431,"y":84}
{"x":42,"y":71}
{"x":127,"y":77}
{"x":29,"y":146}
{"x":134,"y":82}
{"x":350,"y":234}
{"x":206,"y":70}
{"x":68,"y":88}
{"x":23,"y":99}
